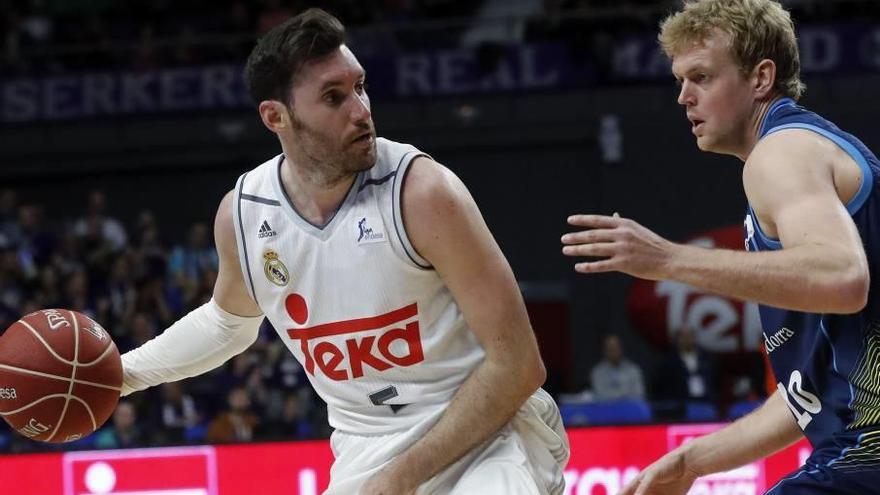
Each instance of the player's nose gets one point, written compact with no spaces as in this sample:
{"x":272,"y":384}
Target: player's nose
{"x":360,"y":109}
{"x":685,"y":95}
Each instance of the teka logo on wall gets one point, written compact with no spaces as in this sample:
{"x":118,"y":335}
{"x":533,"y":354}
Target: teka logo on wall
{"x":658,"y":309}
{"x":166,"y":471}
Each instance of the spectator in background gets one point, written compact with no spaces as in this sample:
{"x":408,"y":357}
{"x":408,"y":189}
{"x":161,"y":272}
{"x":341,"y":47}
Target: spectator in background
{"x":141,"y":328}
{"x":188,"y":263}
{"x":615,"y":377}
{"x":96,"y":220}
{"x":119,"y":294}
{"x":9,"y":228}
{"x":35,"y":243}
{"x":76,"y":293}
{"x":237,"y":424}
{"x":686,"y":374}
{"x":11,"y":287}
{"x":292,"y":424}
{"x":177,"y":412}
{"x":123,"y":432}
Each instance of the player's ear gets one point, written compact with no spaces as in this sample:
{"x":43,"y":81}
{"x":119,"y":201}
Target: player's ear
{"x":274,"y":115}
{"x":764,"y":78}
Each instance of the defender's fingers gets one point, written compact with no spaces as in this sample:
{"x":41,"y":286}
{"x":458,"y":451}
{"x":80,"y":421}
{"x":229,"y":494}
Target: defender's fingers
{"x":603,"y":249}
{"x":588,"y":236}
{"x":595,"y":266}
{"x":594,"y":221}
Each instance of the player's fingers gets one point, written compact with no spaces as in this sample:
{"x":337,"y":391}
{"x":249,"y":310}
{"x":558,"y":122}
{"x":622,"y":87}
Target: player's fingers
{"x":595,"y":266}
{"x":644,"y":485}
{"x":585,"y":236}
{"x":594,"y":221}
{"x":592,"y":249}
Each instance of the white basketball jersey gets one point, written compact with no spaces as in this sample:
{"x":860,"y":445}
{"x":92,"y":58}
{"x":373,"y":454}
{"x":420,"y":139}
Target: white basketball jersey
{"x":379,"y":334}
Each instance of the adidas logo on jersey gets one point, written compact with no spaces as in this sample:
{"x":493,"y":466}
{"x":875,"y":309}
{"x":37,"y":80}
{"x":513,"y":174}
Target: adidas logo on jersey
{"x":266,"y":231}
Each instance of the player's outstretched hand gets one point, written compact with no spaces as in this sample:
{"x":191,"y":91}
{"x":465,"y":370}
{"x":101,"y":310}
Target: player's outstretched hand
{"x":668,"y":476}
{"x":621,"y":244}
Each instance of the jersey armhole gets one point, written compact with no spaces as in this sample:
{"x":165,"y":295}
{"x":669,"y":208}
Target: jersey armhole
{"x":396,"y":207}
{"x":856,"y":202}
{"x":240,"y":239}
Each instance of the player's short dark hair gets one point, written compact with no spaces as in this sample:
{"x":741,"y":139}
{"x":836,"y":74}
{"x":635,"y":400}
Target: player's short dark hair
{"x":273,"y":66}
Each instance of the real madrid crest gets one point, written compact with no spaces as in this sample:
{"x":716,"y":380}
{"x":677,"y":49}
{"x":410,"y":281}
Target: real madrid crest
{"x":274,"y":269}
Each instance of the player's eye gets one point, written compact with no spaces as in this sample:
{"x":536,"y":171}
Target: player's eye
{"x":333,"y":98}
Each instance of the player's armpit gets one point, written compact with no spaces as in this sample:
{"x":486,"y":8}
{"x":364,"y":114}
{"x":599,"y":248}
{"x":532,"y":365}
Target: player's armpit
{"x":230,"y":291}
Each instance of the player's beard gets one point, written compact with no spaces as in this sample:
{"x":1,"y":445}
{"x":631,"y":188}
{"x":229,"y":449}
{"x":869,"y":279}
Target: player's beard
{"x":331,"y":156}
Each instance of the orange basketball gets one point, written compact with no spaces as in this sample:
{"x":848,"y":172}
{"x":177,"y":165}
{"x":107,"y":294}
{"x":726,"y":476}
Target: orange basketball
{"x":60,"y":375}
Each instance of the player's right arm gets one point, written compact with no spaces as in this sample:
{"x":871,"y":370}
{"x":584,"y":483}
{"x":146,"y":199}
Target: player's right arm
{"x":768,"y":429}
{"x":230,"y":292}
{"x":207,"y":336}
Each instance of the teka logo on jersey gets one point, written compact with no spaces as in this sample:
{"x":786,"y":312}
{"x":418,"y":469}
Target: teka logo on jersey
{"x":393,"y":340}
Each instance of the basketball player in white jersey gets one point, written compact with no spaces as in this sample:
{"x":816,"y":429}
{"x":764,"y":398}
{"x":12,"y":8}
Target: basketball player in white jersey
{"x":376,"y":268}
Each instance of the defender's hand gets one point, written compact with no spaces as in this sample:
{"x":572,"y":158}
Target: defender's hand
{"x":624,"y":245}
{"x":668,"y":476}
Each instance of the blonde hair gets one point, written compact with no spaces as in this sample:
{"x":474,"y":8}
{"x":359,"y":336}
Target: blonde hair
{"x":758,"y":30}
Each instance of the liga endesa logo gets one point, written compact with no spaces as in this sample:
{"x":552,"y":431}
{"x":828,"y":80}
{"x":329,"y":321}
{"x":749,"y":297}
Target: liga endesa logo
{"x":380,"y":342}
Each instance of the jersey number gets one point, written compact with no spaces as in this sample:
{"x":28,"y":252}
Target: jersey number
{"x":807,"y":401}
{"x":380,"y":397}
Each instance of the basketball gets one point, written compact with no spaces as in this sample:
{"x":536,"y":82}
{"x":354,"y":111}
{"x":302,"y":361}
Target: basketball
{"x":60,"y":375}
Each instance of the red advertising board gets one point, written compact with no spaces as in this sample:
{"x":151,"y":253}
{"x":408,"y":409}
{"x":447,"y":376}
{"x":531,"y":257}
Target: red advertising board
{"x":602,"y":461}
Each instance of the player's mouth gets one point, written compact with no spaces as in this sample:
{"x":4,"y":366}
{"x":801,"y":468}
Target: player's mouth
{"x":697,"y":125}
{"x":364,"y":139}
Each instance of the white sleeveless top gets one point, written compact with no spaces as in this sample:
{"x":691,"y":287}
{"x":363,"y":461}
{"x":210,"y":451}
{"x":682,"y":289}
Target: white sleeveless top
{"x":379,"y":334}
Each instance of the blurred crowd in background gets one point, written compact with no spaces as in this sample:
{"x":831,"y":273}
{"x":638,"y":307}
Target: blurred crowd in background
{"x":63,"y":36}
{"x":135,"y":285}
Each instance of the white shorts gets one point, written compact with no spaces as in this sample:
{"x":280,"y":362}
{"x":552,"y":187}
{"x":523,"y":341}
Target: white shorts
{"x":526,"y":457}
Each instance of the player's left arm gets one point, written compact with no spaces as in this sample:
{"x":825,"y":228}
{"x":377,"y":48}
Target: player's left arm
{"x":446,"y":228}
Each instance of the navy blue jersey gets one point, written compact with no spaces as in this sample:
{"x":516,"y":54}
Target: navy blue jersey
{"x":829,"y":365}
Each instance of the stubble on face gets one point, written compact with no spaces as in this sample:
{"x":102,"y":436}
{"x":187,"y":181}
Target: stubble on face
{"x":331,"y":159}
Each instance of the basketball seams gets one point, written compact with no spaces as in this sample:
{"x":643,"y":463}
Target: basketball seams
{"x":99,"y":358}
{"x":71,"y":379}
{"x":24,"y":371}
{"x":27,"y":406}
{"x":88,"y":410}
{"x":55,"y":396}
{"x":43,"y":341}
